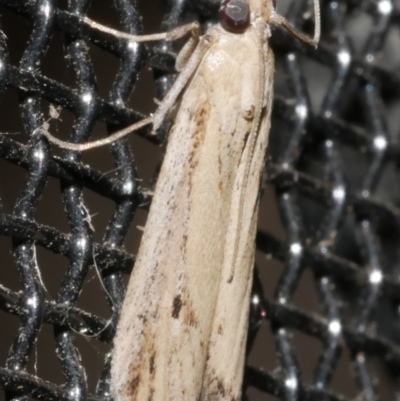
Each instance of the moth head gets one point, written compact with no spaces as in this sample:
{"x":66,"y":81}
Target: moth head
{"x":234,"y":15}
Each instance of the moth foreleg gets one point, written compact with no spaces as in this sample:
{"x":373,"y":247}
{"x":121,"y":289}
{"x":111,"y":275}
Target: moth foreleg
{"x":187,"y":72}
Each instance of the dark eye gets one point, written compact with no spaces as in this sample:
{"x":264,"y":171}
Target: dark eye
{"x":234,"y":15}
{"x":274,"y":4}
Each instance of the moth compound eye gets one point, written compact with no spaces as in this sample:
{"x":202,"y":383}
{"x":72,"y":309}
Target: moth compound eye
{"x":274,"y":4}
{"x":234,"y":15}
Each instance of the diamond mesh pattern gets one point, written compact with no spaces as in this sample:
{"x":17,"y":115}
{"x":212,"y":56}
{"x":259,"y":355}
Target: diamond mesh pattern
{"x":324,"y":319}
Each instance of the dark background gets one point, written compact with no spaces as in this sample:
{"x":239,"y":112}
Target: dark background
{"x":311,"y":182}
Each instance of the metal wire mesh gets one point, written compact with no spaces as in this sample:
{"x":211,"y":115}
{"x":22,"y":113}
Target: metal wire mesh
{"x":324,"y":320}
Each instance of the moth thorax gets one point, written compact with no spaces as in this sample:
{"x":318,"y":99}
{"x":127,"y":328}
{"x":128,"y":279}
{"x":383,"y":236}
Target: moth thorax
{"x":234,"y":15}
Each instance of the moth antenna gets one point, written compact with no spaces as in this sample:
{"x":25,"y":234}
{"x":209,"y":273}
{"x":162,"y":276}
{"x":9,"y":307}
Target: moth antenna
{"x":177,"y":33}
{"x":317,"y":22}
{"x":277,"y":19}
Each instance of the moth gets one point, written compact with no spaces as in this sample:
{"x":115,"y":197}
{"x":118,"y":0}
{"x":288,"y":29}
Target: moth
{"x":183,"y":326}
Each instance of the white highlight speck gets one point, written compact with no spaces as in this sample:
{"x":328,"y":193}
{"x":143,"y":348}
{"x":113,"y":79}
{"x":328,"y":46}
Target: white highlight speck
{"x":39,"y":155}
{"x":255,"y":300}
{"x":335,"y":327}
{"x":339,"y":193}
{"x":46,"y":10}
{"x":302,"y":111}
{"x":296,"y":248}
{"x":32,"y":301}
{"x":344,"y":57}
{"x":370,"y":58}
{"x":380,"y":142}
{"x":74,"y":392}
{"x":82,"y":243}
{"x":87,"y":97}
{"x":128,"y":186}
{"x":375,"y":277}
{"x":133,"y":46}
{"x":291,"y":382}
{"x":385,"y":7}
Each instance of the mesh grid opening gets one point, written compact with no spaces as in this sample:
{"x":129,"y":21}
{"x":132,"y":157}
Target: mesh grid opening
{"x":324,"y":318}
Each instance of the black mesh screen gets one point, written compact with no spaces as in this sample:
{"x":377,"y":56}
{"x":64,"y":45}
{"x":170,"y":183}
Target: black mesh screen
{"x":325,"y":304}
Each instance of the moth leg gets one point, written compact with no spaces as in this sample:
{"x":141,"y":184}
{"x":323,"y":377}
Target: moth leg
{"x":190,"y":67}
{"x":186,"y":51}
{"x":277,"y":19}
{"x":80,"y":147}
{"x":174,"y":34}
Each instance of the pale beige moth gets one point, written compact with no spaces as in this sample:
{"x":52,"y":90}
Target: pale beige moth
{"x":183,"y":326}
